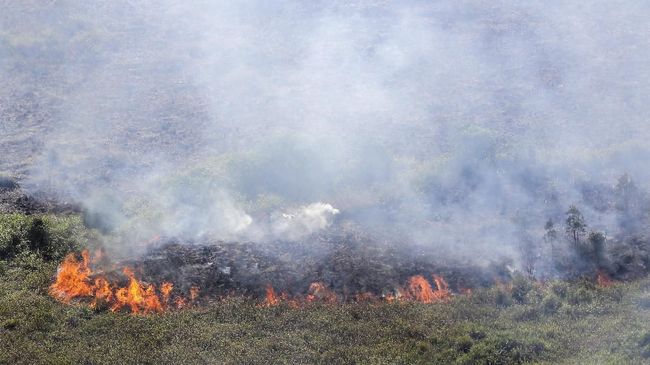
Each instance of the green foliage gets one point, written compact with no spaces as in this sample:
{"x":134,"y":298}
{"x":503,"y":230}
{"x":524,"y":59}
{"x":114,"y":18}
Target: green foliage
{"x":575,"y":224}
{"x":580,"y":296}
{"x":503,"y":350}
{"x":520,"y":288}
{"x":526,"y":313}
{"x":550,"y":304}
{"x":560,"y":288}
{"x":51,"y":237}
{"x":597,"y":241}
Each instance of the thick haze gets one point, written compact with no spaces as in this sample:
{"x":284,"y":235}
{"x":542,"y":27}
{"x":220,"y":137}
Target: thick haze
{"x":458,"y":125}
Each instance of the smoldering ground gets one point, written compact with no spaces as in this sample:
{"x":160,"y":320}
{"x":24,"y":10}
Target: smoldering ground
{"x":460,"y":127}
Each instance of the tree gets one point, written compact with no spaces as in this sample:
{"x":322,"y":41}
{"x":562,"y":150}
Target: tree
{"x":631,"y":204}
{"x":626,"y":193}
{"x":551,"y":254}
{"x":597,"y":240}
{"x":575,"y":225}
{"x":551,"y":233}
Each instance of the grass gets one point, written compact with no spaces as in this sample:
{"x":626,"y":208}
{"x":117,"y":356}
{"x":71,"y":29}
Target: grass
{"x":556,"y":322}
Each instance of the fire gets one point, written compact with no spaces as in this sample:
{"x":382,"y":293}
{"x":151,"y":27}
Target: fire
{"x":194,"y":293}
{"x":76,"y":279}
{"x":318,"y":291}
{"x":165,"y":289}
{"x":417,"y":289}
{"x":271,"y":299}
{"x":603,"y":280}
{"x":72,"y":279}
{"x":103,"y":292}
{"x":420,"y":289}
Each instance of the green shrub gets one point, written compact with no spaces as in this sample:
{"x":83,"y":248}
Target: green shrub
{"x":13,"y":234}
{"x":614,"y":294}
{"x":550,"y":304}
{"x":502,"y":298}
{"x":520,"y":289}
{"x":52,"y":237}
{"x":525,"y":313}
{"x":560,"y":289}
{"x":580,"y":295}
{"x":503,"y":350}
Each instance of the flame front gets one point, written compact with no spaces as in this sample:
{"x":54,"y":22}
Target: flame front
{"x":318,"y":291}
{"x":72,"y":279}
{"x":75,"y":279}
{"x":417,"y":289}
{"x":271,"y":299}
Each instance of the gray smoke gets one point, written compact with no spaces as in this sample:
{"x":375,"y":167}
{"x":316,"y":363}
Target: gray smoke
{"x":461,"y":126}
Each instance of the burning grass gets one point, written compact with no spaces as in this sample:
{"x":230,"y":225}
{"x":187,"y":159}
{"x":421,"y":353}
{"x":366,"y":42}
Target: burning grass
{"x":475,"y":329}
{"x":518,"y":321}
{"x":77,"y":279}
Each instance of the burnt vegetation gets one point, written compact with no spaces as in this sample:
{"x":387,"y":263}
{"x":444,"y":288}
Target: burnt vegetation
{"x":324,"y":182}
{"x":509,"y":317}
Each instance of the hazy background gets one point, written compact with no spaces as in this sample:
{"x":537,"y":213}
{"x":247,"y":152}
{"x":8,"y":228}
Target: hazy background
{"x":459,"y":126}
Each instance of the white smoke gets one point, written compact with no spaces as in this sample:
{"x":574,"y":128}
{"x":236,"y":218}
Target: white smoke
{"x":461,"y":125}
{"x":303,"y":220}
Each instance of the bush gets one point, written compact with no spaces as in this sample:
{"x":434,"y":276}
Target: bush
{"x":560,"y":289}
{"x":503,"y":350}
{"x":526,"y":313}
{"x":644,"y":343}
{"x":520,"y":289}
{"x":551,"y":304}
{"x":502,"y":298}
{"x":51,"y":237}
{"x":580,"y":296}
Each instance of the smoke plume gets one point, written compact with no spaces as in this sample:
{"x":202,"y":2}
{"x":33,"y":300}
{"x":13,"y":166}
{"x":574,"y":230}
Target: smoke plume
{"x":458,"y":126}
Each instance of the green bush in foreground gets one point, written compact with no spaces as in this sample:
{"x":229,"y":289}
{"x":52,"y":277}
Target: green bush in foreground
{"x":49,"y":236}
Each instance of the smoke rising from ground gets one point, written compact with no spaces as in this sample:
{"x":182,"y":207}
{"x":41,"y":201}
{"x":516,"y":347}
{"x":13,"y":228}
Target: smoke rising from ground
{"x":459,"y":126}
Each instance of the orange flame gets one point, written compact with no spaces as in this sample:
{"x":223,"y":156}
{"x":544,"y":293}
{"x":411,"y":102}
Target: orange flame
{"x":194,"y":293}
{"x":318,"y":291}
{"x":603,"y":280}
{"x":72,"y":279}
{"x":420,"y":290}
{"x":271,"y":299}
{"x":165,"y":289}
{"x":417,"y":289}
{"x":75,"y":279}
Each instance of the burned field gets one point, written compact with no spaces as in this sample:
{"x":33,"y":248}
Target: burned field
{"x":337,"y":298}
{"x":324,"y":182}
{"x":518,"y":320}
{"x":342,"y":271}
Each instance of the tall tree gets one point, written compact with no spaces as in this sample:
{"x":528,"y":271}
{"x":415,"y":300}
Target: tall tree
{"x":550,"y":234}
{"x":575,"y":225}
